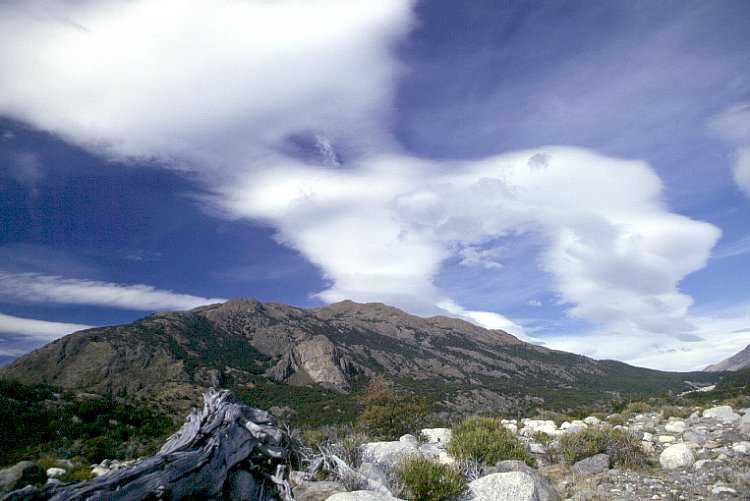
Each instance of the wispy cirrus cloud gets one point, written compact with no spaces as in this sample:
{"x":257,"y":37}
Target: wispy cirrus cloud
{"x":38,"y":329}
{"x":19,"y":335}
{"x":39,"y":288}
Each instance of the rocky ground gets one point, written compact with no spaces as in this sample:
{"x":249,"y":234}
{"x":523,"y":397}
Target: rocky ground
{"x":705,"y":456}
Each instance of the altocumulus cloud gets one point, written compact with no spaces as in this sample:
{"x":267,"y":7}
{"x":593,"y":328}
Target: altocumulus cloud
{"x":217,"y":88}
{"x":39,"y":288}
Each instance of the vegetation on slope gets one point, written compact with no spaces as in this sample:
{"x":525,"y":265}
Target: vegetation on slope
{"x":38,"y":421}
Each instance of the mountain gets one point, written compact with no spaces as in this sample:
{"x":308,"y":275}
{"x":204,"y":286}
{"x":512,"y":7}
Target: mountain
{"x":736,"y":362}
{"x":318,"y":358}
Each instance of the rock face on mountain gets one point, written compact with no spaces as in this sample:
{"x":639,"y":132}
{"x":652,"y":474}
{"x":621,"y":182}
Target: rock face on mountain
{"x":736,"y":362}
{"x":171,"y":358}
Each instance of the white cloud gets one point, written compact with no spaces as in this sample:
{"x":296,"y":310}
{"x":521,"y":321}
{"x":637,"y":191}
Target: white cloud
{"x":199,"y":82}
{"x":534,"y":302}
{"x":38,"y":329}
{"x":716,"y":337}
{"x":742,"y":170}
{"x":217,"y":88}
{"x":380,"y":231}
{"x":733,"y":126}
{"x":39,"y":288}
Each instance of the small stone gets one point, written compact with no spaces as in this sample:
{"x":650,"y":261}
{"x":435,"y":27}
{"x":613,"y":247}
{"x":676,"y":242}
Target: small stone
{"x":55,"y":472}
{"x":592,"y":420}
{"x":665,"y":439}
{"x":648,"y":437}
{"x":722,"y":489}
{"x":741,"y":447}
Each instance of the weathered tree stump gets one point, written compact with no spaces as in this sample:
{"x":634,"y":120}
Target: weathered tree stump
{"x":225,"y":451}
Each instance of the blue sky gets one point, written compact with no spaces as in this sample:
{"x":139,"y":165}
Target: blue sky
{"x":576,"y":173}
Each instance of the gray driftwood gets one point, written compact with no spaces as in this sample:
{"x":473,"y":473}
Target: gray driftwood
{"x":225,"y":451}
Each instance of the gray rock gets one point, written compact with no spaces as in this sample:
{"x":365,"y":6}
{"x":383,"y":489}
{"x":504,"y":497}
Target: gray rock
{"x":676,"y":456}
{"x":361,"y":496}
{"x":512,"y":485}
{"x":437,"y":435}
{"x":316,"y":491}
{"x":21,"y":474}
{"x":388,"y":454}
{"x":722,"y":413}
{"x":55,"y":472}
{"x":373,"y":473}
{"x":544,"y":488}
{"x":592,"y":465}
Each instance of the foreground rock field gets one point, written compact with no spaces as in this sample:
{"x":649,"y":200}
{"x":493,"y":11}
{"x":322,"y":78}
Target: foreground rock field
{"x":705,"y":456}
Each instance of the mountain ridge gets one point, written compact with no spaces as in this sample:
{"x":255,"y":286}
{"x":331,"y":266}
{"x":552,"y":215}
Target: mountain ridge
{"x":171,"y":358}
{"x":738,"y":361}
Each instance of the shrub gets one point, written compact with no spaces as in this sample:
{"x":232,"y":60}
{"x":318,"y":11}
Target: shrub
{"x":420,"y":478}
{"x":313,"y":438}
{"x":486,"y":440}
{"x":675,"y":411}
{"x":541,"y":438}
{"x":623,"y":448}
{"x":78,"y":473}
{"x":616,"y":419}
{"x":350,"y":449}
{"x":636,"y":408}
{"x":387,"y":415}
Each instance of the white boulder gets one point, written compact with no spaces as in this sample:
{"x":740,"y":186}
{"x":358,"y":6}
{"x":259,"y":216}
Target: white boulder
{"x":361,"y":496}
{"x":440,"y":436}
{"x":55,"y":472}
{"x":592,"y":420}
{"x":723,"y":413}
{"x":676,"y":456}
{"x":675,"y":426}
{"x":387,"y":454}
{"x":515,"y":485}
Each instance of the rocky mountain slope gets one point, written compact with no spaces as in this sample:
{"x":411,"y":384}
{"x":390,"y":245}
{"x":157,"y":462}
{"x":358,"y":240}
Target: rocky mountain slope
{"x":740,"y":360}
{"x":171,"y":358}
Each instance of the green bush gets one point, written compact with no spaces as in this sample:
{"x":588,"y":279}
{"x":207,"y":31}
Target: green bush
{"x":350,"y":448}
{"x":541,"y":438}
{"x":623,"y":448}
{"x":313,"y":438}
{"x":616,"y":419}
{"x":35,"y":423}
{"x":425,"y":480}
{"x":675,"y":411}
{"x":388,"y":415}
{"x":636,"y":408}
{"x":485,"y":440}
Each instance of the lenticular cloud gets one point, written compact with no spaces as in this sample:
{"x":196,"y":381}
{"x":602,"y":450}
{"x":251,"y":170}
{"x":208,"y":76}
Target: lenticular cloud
{"x":215,"y":88}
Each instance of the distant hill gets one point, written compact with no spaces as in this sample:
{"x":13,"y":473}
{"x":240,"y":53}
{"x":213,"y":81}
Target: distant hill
{"x":736,"y":362}
{"x":317,"y":358}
